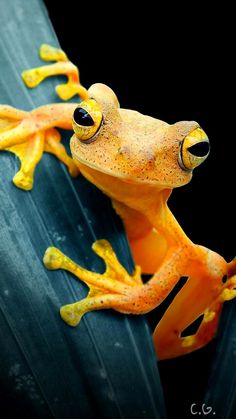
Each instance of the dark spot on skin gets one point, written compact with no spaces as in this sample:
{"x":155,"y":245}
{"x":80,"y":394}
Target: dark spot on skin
{"x":224,"y":279}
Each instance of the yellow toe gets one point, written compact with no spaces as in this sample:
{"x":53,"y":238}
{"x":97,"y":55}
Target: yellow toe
{"x":52,"y":258}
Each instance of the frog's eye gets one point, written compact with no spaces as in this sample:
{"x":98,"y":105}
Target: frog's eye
{"x":194,"y":149}
{"x":87,"y":119}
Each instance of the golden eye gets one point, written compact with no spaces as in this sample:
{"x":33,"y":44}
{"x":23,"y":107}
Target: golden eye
{"x":87,"y":119}
{"x":194,"y":149}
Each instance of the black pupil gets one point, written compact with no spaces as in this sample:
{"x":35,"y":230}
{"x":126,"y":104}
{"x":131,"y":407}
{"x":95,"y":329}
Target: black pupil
{"x":200,"y":149}
{"x":82,"y":117}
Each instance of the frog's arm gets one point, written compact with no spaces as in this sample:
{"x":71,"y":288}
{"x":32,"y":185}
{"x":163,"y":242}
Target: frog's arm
{"x":29,"y":134}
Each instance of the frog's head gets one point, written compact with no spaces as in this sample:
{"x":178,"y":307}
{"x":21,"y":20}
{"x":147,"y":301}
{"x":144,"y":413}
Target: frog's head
{"x":134,"y":147}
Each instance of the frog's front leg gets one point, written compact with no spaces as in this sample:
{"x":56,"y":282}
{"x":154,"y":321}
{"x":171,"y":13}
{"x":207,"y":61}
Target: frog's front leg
{"x":115,"y":288}
{"x":29,"y":134}
{"x":112,"y":289}
{"x":63,"y":66}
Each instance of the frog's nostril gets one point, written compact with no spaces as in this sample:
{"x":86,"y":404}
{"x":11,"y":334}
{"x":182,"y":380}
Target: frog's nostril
{"x":200,"y":149}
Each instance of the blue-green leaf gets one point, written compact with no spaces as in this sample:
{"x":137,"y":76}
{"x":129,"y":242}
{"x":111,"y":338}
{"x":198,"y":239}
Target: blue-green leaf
{"x":221,"y":392}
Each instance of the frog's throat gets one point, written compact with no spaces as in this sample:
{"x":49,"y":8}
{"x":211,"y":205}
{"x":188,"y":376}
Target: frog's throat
{"x":138,"y":196}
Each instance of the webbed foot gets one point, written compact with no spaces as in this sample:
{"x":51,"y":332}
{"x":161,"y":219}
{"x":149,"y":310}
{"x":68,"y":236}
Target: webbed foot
{"x":21,"y":134}
{"x":30,"y":134}
{"x":112,"y":289}
{"x":34,"y":76}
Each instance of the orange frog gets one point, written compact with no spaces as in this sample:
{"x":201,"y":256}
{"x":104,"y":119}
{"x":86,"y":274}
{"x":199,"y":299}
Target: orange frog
{"x":136,"y":160}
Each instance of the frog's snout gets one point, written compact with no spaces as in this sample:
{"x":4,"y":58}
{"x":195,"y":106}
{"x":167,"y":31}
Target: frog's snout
{"x":194,"y":149}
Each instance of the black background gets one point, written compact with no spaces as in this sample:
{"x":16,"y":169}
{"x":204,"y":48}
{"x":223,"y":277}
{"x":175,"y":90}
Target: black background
{"x":173,"y":63}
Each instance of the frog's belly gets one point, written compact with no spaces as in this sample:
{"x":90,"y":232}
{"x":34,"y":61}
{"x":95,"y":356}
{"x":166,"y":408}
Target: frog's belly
{"x":149,"y":251}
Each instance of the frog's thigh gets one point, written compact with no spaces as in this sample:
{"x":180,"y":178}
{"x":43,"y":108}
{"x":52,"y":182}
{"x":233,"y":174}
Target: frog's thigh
{"x":149,"y":251}
{"x":172,"y":344}
{"x":191,"y":303}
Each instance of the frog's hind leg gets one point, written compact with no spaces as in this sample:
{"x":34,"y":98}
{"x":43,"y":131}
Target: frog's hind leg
{"x":174,"y":334}
{"x":108,"y":290}
{"x":34,"y":76}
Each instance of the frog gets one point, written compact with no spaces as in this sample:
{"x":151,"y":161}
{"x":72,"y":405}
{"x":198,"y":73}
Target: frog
{"x":137,"y":161}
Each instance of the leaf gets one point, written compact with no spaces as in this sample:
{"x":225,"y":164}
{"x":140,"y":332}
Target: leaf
{"x":221,"y":392}
{"x":106,"y":367}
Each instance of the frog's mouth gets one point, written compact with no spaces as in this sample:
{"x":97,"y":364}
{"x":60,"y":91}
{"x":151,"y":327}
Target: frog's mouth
{"x":114,"y":184}
{"x":93,"y":172}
